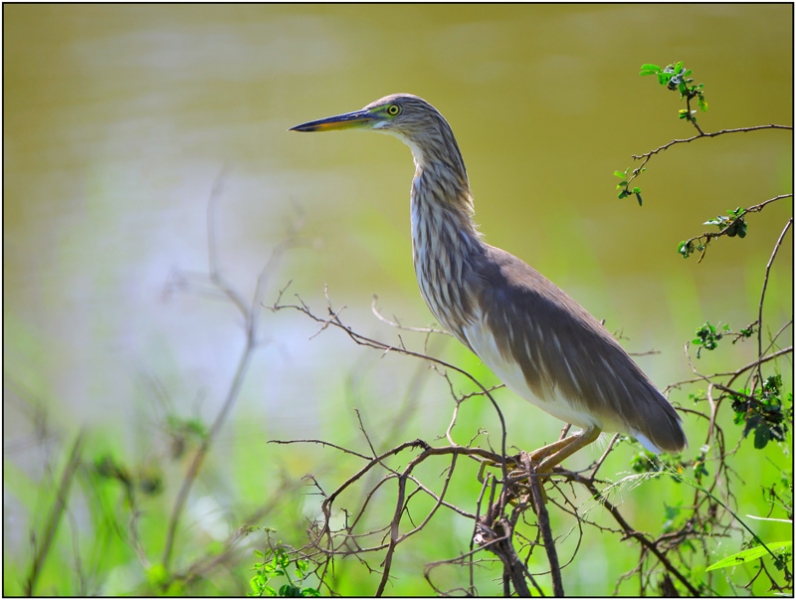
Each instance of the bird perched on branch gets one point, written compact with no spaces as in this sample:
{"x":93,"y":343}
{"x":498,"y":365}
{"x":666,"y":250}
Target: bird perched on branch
{"x":538,"y":341}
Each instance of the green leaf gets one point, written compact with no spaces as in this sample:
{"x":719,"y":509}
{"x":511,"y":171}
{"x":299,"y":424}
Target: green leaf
{"x":289,"y":591}
{"x":671,"y":512}
{"x":747,"y":555}
{"x":638,"y":197}
{"x":619,"y":174}
{"x":685,"y":249}
{"x":762,"y":436}
{"x":649,"y":70}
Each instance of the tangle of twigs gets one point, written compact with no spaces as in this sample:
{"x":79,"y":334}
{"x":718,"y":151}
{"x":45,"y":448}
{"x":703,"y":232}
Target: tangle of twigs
{"x":510,"y":516}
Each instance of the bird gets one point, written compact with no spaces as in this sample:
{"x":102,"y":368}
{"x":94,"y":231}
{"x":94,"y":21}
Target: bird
{"x":540,"y":342}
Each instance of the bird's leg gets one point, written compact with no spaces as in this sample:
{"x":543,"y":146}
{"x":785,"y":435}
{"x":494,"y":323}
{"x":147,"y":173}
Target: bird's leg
{"x":555,"y":453}
{"x":540,"y":454}
{"x":547,"y":457}
{"x":537,"y":457}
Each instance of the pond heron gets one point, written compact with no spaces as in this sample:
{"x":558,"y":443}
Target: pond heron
{"x":540,"y":342}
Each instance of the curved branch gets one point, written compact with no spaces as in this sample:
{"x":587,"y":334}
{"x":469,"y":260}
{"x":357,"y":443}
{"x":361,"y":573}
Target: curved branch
{"x":763,"y":295}
{"x":648,"y":155}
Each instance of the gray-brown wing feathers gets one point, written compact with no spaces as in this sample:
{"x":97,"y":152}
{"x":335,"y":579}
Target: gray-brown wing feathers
{"x":561,"y":347}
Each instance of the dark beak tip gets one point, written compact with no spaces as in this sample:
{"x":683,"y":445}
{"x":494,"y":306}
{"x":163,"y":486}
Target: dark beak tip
{"x":304,"y":127}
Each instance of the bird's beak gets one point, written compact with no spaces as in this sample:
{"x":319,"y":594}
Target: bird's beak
{"x":352,"y":120}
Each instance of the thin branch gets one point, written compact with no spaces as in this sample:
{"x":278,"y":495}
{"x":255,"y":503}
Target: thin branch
{"x":690,"y":114}
{"x":674,"y":142}
{"x":397,"y":325}
{"x":198,"y":458}
{"x":395,"y":536}
{"x":734,"y":374}
{"x":710,"y":235}
{"x":543,"y":520}
{"x":335,"y":446}
{"x":701,"y":135}
{"x":646,"y":543}
{"x":763,"y":295}
{"x":56,"y":512}
{"x":372,"y":343}
{"x":601,"y":460}
{"x":251,"y":315}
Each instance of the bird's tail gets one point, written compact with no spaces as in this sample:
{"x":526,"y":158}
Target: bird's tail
{"x":660,"y":429}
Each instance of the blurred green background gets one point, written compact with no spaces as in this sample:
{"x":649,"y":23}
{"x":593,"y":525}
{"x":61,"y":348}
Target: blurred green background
{"x":119,"y":119}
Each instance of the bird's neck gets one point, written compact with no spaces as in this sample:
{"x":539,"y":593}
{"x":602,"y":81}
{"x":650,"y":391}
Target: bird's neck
{"x":444,"y":241}
{"x":441,"y":193}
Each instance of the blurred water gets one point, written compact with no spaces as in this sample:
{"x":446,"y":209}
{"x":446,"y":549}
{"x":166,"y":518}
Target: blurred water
{"x":119,"y":119}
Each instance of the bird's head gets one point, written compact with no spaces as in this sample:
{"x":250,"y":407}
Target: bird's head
{"x":409,"y":118}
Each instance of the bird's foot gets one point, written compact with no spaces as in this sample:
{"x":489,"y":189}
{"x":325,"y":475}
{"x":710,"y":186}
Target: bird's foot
{"x":512,"y":464}
{"x":517,"y":468}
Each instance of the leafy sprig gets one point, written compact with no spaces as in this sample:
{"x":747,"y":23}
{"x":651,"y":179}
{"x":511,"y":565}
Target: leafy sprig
{"x":764,"y":413}
{"x":733,"y":224}
{"x":707,"y":336}
{"x":276,"y":563}
{"x":677,"y":79}
{"x":623,"y":185}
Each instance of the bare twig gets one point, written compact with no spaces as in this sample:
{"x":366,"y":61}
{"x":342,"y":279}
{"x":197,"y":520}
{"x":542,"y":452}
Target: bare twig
{"x":251,"y":314}
{"x":397,"y":325}
{"x":543,"y":521}
{"x":674,"y":142}
{"x":763,"y":295}
{"x":648,"y":545}
{"x":44,"y":541}
{"x":645,"y":158}
{"x":362,"y":340}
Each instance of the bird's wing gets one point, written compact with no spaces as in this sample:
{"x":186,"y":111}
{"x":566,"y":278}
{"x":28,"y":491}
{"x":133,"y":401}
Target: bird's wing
{"x":565,"y":352}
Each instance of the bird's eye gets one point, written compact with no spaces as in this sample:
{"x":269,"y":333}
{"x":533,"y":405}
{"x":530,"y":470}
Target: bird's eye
{"x":393,"y":110}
